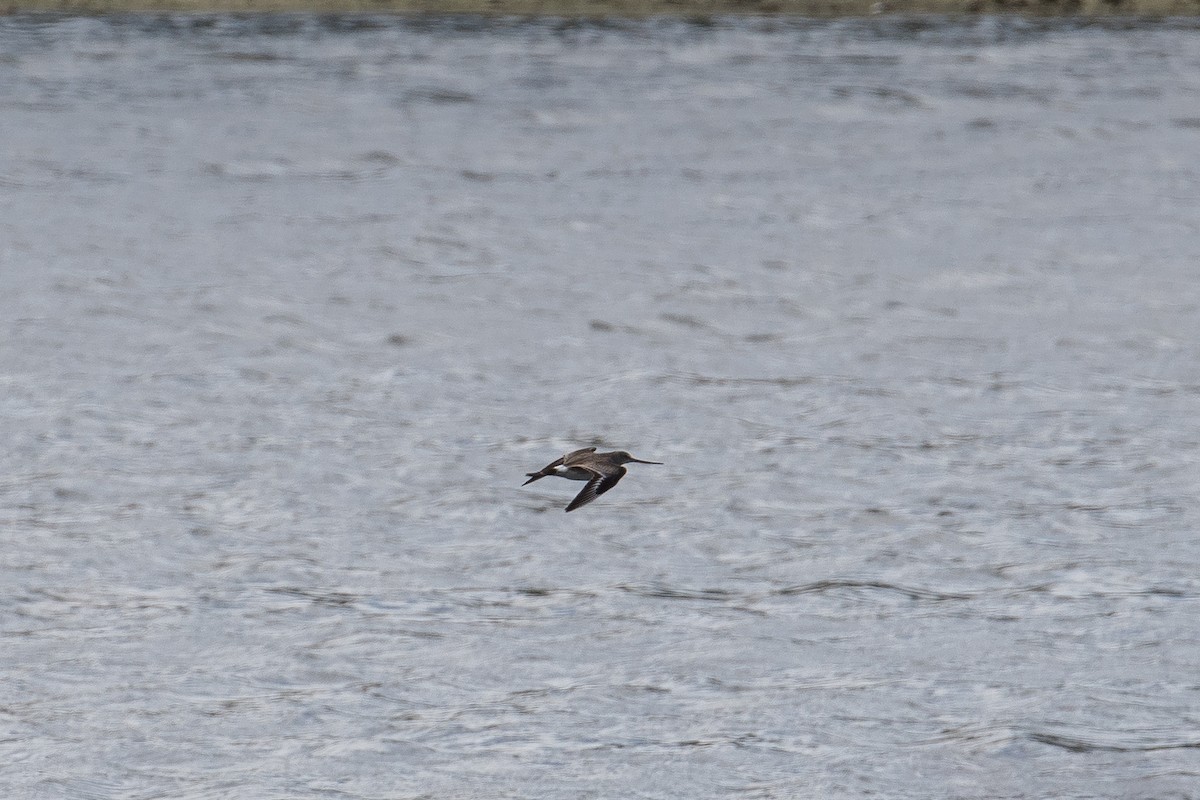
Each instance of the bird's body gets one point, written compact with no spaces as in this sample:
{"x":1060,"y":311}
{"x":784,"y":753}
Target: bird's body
{"x":600,"y":470}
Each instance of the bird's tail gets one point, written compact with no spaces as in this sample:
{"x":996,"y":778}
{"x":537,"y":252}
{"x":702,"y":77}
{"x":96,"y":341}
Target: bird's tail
{"x":533,"y":476}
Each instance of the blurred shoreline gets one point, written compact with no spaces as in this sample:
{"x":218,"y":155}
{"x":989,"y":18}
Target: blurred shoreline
{"x":625,"y":8}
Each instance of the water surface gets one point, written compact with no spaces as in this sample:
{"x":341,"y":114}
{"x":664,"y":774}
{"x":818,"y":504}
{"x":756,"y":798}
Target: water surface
{"x":290,"y":305}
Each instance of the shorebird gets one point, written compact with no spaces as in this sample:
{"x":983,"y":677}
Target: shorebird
{"x":600,"y":470}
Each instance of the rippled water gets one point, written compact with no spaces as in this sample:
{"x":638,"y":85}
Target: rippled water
{"x":908,"y":308}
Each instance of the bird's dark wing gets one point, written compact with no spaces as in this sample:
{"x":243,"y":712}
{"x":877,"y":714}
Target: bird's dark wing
{"x":598,"y":485}
{"x":572,"y":455}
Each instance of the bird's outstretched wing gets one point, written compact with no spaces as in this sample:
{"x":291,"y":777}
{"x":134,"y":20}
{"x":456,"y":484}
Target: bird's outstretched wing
{"x":598,"y":485}
{"x":569,"y":457}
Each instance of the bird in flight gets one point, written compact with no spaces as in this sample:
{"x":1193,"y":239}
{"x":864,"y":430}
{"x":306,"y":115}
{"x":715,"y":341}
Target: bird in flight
{"x":600,"y":470}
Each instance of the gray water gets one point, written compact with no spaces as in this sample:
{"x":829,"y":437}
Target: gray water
{"x":289,"y":306}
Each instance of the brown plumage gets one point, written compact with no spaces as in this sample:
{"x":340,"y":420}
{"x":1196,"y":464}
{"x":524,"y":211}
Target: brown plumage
{"x":602,"y":471}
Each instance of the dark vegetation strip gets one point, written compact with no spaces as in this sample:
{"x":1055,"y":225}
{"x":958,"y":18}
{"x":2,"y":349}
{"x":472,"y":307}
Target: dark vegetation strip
{"x":698,"y":9}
